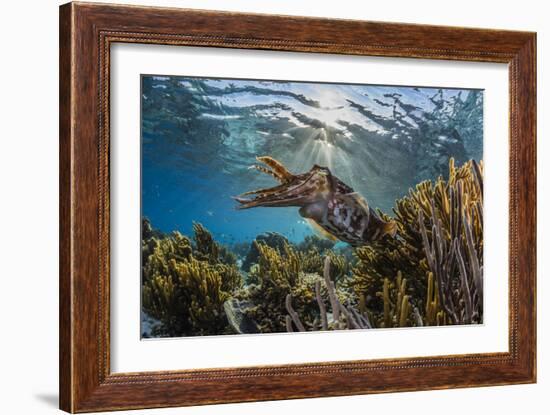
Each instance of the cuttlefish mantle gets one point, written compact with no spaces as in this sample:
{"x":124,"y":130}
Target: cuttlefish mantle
{"x":323,"y":199}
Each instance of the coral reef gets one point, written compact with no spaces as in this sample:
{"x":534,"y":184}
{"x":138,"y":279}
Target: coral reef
{"x":440,"y":231}
{"x":312,"y":262}
{"x":397,"y":307}
{"x":454,"y":254}
{"x":341,"y":317}
{"x":277,"y":274}
{"x":430,"y":274}
{"x":240,"y":249}
{"x":433,"y":316}
{"x":185,"y":286}
{"x":272,"y":239}
{"x":313,"y":248}
{"x":208,"y":250}
{"x":314,"y":242}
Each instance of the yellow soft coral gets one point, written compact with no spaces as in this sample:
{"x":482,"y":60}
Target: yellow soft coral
{"x":453,"y":209}
{"x":185,"y":287}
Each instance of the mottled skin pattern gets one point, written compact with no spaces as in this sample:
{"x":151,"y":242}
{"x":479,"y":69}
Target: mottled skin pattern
{"x":322,"y":198}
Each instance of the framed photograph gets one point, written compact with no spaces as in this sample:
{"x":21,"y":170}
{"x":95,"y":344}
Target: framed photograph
{"x":260,"y":207}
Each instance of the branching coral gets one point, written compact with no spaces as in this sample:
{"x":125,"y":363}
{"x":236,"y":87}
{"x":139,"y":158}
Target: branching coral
{"x":277,"y":275}
{"x":454,"y":254}
{"x":313,"y":249}
{"x":185,"y":287}
{"x":342,"y":317}
{"x":309,"y":252}
{"x":397,"y":308}
{"x":272,"y":239}
{"x":315,"y":242}
{"x":312,"y":262}
{"x":440,"y":231}
{"x":208,"y":250}
{"x":433,"y":316}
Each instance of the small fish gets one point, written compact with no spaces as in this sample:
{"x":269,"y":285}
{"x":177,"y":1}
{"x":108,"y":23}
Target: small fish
{"x":323,"y":199}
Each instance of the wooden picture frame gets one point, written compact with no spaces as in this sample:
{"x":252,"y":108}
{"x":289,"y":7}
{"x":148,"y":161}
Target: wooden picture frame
{"x":86,"y":33}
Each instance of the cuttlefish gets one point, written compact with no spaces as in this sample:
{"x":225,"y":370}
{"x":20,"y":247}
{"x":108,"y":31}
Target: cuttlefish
{"x":329,"y":204}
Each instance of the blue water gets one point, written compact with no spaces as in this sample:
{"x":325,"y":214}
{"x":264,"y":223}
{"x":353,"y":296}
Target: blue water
{"x":199,"y":137}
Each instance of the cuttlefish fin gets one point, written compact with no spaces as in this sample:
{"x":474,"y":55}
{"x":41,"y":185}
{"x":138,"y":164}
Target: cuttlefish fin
{"x":321,"y":231}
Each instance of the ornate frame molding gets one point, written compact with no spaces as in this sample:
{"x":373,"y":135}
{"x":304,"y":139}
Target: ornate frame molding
{"x":86,"y":34}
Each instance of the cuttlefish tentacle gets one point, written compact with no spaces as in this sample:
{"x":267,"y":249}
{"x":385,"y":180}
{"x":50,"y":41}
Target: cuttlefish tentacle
{"x":266,"y":171}
{"x":323,"y":199}
{"x":263,"y":192}
{"x":281,"y":172}
{"x":275,"y":170}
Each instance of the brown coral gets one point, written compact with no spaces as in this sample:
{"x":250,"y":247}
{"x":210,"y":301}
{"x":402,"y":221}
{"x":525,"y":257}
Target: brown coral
{"x":208,"y":250}
{"x":277,"y":275}
{"x":440,"y":231}
{"x":454,"y":248}
{"x":342,"y":318}
{"x":185,"y":287}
